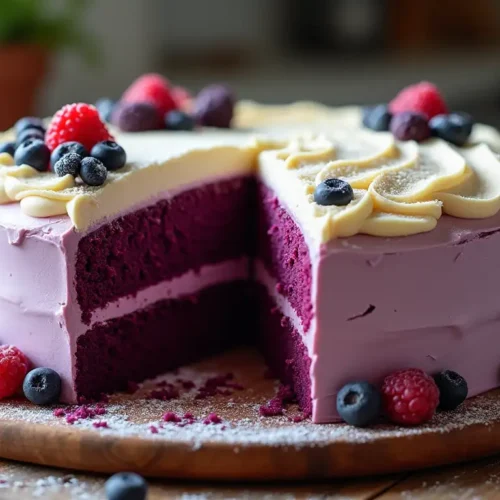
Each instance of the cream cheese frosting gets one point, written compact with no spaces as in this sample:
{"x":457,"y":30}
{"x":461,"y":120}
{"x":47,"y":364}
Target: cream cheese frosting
{"x":400,"y":188}
{"x":158,"y":162}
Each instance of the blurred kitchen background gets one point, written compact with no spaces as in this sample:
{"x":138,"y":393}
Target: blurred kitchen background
{"x":333,"y":51}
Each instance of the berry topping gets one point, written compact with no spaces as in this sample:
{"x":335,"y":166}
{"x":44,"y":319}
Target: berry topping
{"x":77,"y":122}
{"x":93,"y":172}
{"x":359,"y":403}
{"x":8,"y":147}
{"x":377,"y":117}
{"x":42,"y":386}
{"x":105,"y":108}
{"x":178,"y":120}
{"x":423,"y":97}
{"x":410,"y":126}
{"x":29,"y":133}
{"x":111,"y":154}
{"x":13,"y":368}
{"x":33,"y":152}
{"x":65,"y":148}
{"x":183,"y":99}
{"x":151,"y":88}
{"x":126,"y":486}
{"x":455,"y":127}
{"x":453,"y":389}
{"x":410,"y":397}
{"x":29,"y":122}
{"x":333,"y":192}
{"x":68,"y":164}
{"x":137,"y":117}
{"x":214,"y":106}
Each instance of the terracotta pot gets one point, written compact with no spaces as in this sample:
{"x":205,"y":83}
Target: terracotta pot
{"x":23,"y":70}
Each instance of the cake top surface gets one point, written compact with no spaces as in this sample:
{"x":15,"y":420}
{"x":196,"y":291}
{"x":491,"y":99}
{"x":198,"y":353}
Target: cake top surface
{"x":399,"y":188}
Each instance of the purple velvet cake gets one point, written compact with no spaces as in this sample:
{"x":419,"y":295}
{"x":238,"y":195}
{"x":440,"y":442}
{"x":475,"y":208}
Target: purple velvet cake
{"x":210,"y":239}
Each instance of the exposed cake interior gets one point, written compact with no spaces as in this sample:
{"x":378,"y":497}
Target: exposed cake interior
{"x":189,"y":258}
{"x":283,"y":272}
{"x":197,"y":250}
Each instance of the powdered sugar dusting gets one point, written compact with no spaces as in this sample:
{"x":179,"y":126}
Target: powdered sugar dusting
{"x":233,"y":418}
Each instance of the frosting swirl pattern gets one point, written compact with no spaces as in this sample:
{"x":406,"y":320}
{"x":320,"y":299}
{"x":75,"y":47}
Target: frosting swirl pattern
{"x":400,"y":188}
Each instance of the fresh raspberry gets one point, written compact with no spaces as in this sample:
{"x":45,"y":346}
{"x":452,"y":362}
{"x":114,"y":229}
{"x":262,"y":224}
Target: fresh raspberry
{"x":77,"y":122}
{"x":13,"y":368}
{"x":423,"y":97}
{"x":154,"y":89}
{"x":410,"y":397}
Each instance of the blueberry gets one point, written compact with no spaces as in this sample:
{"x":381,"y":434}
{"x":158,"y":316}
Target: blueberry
{"x":377,"y":117}
{"x":42,"y":386}
{"x":33,"y":152}
{"x":333,"y":192}
{"x":177,"y":120}
{"x":359,"y":403}
{"x":65,"y":148}
{"x":29,"y":122}
{"x":110,"y":153}
{"x":93,"y":172}
{"x":410,"y":126}
{"x":8,"y":147}
{"x":68,"y":164}
{"x":105,"y":107}
{"x":29,"y":133}
{"x":214,"y":106}
{"x":137,"y":117}
{"x":126,"y":486}
{"x":455,"y":127}
{"x":453,"y":389}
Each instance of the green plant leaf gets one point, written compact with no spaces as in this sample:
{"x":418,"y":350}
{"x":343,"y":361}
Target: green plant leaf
{"x":40,"y":22}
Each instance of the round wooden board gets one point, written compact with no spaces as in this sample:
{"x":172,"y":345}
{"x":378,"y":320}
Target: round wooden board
{"x":244,"y":446}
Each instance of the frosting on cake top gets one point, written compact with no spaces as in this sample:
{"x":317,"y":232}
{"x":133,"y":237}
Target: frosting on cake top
{"x":400,"y":188}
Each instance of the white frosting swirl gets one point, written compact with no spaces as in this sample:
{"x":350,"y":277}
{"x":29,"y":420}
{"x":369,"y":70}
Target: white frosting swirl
{"x":400,"y":188}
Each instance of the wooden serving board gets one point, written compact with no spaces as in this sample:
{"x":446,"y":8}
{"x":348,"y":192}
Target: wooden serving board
{"x":243,"y":446}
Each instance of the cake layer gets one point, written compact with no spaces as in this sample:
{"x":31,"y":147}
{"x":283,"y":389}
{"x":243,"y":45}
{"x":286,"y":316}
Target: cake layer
{"x":161,"y":337}
{"x":200,"y":226}
{"x":283,"y":348}
{"x":284,"y":252}
{"x":188,"y":283}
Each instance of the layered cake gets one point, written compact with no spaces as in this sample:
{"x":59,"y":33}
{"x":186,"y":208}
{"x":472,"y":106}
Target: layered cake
{"x":343,"y":253}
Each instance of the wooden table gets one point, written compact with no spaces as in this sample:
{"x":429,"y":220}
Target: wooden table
{"x":473,"y":481}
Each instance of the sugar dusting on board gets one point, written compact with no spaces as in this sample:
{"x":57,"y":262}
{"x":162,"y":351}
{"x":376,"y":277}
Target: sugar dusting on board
{"x":234,"y":388}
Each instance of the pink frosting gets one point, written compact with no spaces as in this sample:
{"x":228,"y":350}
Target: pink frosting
{"x":427,"y":301}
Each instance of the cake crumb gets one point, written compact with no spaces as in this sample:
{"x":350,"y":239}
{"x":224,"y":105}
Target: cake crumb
{"x":170,"y":416}
{"x":212,"y":418}
{"x":102,"y":424}
{"x":276,"y":406}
